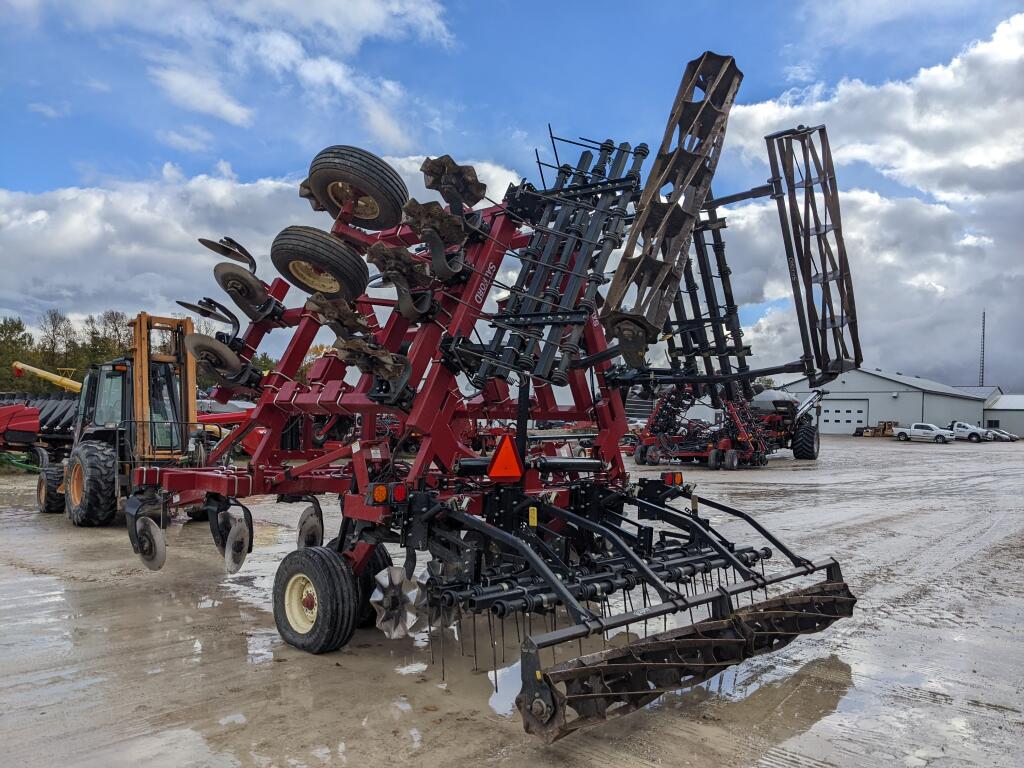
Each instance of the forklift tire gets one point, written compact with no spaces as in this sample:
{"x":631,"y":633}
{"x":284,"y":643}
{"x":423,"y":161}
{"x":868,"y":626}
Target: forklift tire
{"x":48,"y":498}
{"x":315,"y":600}
{"x":806,"y":442}
{"x":89,"y":492}
{"x":379,"y":560}
{"x":714,"y":459}
{"x":731,"y":459}
{"x":318,"y":262}
{"x":339,"y":172}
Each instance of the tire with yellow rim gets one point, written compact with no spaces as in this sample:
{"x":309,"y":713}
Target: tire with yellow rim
{"x":315,"y":600}
{"x":342,"y":176}
{"x":90,"y":494}
{"x":318,"y":262}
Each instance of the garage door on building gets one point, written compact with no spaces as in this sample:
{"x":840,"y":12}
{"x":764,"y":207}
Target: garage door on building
{"x":842,"y":417}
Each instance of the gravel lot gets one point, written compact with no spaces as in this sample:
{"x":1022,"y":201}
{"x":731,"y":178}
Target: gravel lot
{"x":104,"y":663}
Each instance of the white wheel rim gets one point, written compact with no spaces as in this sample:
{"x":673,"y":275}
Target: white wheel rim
{"x":300,"y":603}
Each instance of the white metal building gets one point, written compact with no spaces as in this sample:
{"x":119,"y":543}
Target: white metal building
{"x":1006,"y":412}
{"x":864,"y":397}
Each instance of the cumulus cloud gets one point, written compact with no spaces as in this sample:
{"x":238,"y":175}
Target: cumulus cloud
{"x":924,"y":266}
{"x":132,"y":245}
{"x":954,"y":130}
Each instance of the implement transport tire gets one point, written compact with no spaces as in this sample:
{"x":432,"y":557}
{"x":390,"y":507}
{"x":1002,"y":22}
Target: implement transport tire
{"x":379,"y":560}
{"x":318,"y":262}
{"x":806,"y":442}
{"x":315,"y":600}
{"x":731,"y":460}
{"x":341,"y":172}
{"x":89,"y":493}
{"x":714,"y":459}
{"x":48,"y":498}
{"x":640,"y":454}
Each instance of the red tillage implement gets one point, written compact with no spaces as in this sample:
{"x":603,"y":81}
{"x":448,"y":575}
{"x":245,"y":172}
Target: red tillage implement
{"x":525,"y":530}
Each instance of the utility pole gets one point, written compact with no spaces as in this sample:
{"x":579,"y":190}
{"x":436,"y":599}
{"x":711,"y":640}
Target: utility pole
{"x":981,"y":367}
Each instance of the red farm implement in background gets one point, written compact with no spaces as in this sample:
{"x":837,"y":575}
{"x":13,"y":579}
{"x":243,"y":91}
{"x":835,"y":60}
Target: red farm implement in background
{"x":529,"y":529}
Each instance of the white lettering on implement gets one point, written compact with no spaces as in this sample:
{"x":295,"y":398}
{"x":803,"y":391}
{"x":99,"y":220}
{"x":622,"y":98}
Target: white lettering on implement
{"x":485,"y":283}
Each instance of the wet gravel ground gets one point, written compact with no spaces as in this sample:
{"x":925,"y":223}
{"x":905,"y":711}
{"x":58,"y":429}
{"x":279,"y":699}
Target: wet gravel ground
{"x":104,"y":663}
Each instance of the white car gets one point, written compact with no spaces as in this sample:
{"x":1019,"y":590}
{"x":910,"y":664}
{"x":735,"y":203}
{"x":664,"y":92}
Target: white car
{"x":926,"y":432}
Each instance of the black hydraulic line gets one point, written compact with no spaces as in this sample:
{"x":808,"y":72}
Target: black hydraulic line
{"x":663,"y":590}
{"x":578,"y":612}
{"x":793,"y":558}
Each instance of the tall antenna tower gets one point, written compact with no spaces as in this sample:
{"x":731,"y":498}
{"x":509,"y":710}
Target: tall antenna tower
{"x":981,"y":366}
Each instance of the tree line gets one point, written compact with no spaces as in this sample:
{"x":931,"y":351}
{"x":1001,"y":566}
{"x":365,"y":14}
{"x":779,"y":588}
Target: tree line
{"x":60,"y":343}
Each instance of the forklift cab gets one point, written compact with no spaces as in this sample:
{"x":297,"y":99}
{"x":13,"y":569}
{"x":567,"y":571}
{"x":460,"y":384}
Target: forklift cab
{"x":108,"y":409}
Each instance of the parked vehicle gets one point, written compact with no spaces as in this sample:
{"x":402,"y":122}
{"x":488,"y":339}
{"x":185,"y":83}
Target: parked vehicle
{"x":1003,"y":436}
{"x":925,"y":432}
{"x":971,"y":432}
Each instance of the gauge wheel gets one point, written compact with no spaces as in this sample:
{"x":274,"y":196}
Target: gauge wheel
{"x":317,"y":262}
{"x":315,"y":600}
{"x":341,"y":174}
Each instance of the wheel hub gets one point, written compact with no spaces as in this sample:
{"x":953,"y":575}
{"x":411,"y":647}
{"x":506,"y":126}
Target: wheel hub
{"x":314,"y":277}
{"x":300,"y":603}
{"x":342,"y":193}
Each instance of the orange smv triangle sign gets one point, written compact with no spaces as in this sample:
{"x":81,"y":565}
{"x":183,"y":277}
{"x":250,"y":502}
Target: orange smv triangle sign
{"x":505,"y":464}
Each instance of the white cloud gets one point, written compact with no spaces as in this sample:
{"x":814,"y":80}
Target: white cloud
{"x":953,"y":130}
{"x":51,"y":111}
{"x":200,"y":93}
{"x":132,"y":245}
{"x":190,"y":138}
{"x":206,"y":53}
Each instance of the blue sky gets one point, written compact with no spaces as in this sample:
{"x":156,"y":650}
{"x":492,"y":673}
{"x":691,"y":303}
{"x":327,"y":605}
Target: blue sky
{"x":133,"y":126}
{"x":504,"y":71}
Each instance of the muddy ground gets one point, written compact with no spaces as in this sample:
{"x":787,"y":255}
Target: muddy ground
{"x":104,"y":663}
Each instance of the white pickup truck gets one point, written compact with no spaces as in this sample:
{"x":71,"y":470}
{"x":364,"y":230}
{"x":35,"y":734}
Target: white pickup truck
{"x":923,"y":431}
{"x":972,"y":432}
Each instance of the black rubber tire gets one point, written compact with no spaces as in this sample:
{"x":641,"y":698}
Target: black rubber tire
{"x":939,"y":439}
{"x":48,"y":499}
{"x":652,"y":456}
{"x":902,"y":437}
{"x":806,"y":442}
{"x":336,"y":595}
{"x":323,"y":251}
{"x":974,"y":437}
{"x":366,"y":616}
{"x":198,"y":514}
{"x":640,"y":455}
{"x":364,"y":171}
{"x":98,"y":504}
{"x":714,"y":459}
{"x":731,"y":460}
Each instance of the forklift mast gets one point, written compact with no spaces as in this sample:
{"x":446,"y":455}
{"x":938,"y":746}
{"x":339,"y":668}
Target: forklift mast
{"x":163,"y":387}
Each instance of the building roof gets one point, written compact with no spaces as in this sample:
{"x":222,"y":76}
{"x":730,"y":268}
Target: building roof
{"x":987,"y":392}
{"x":1007,"y":403}
{"x":916,"y":382}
